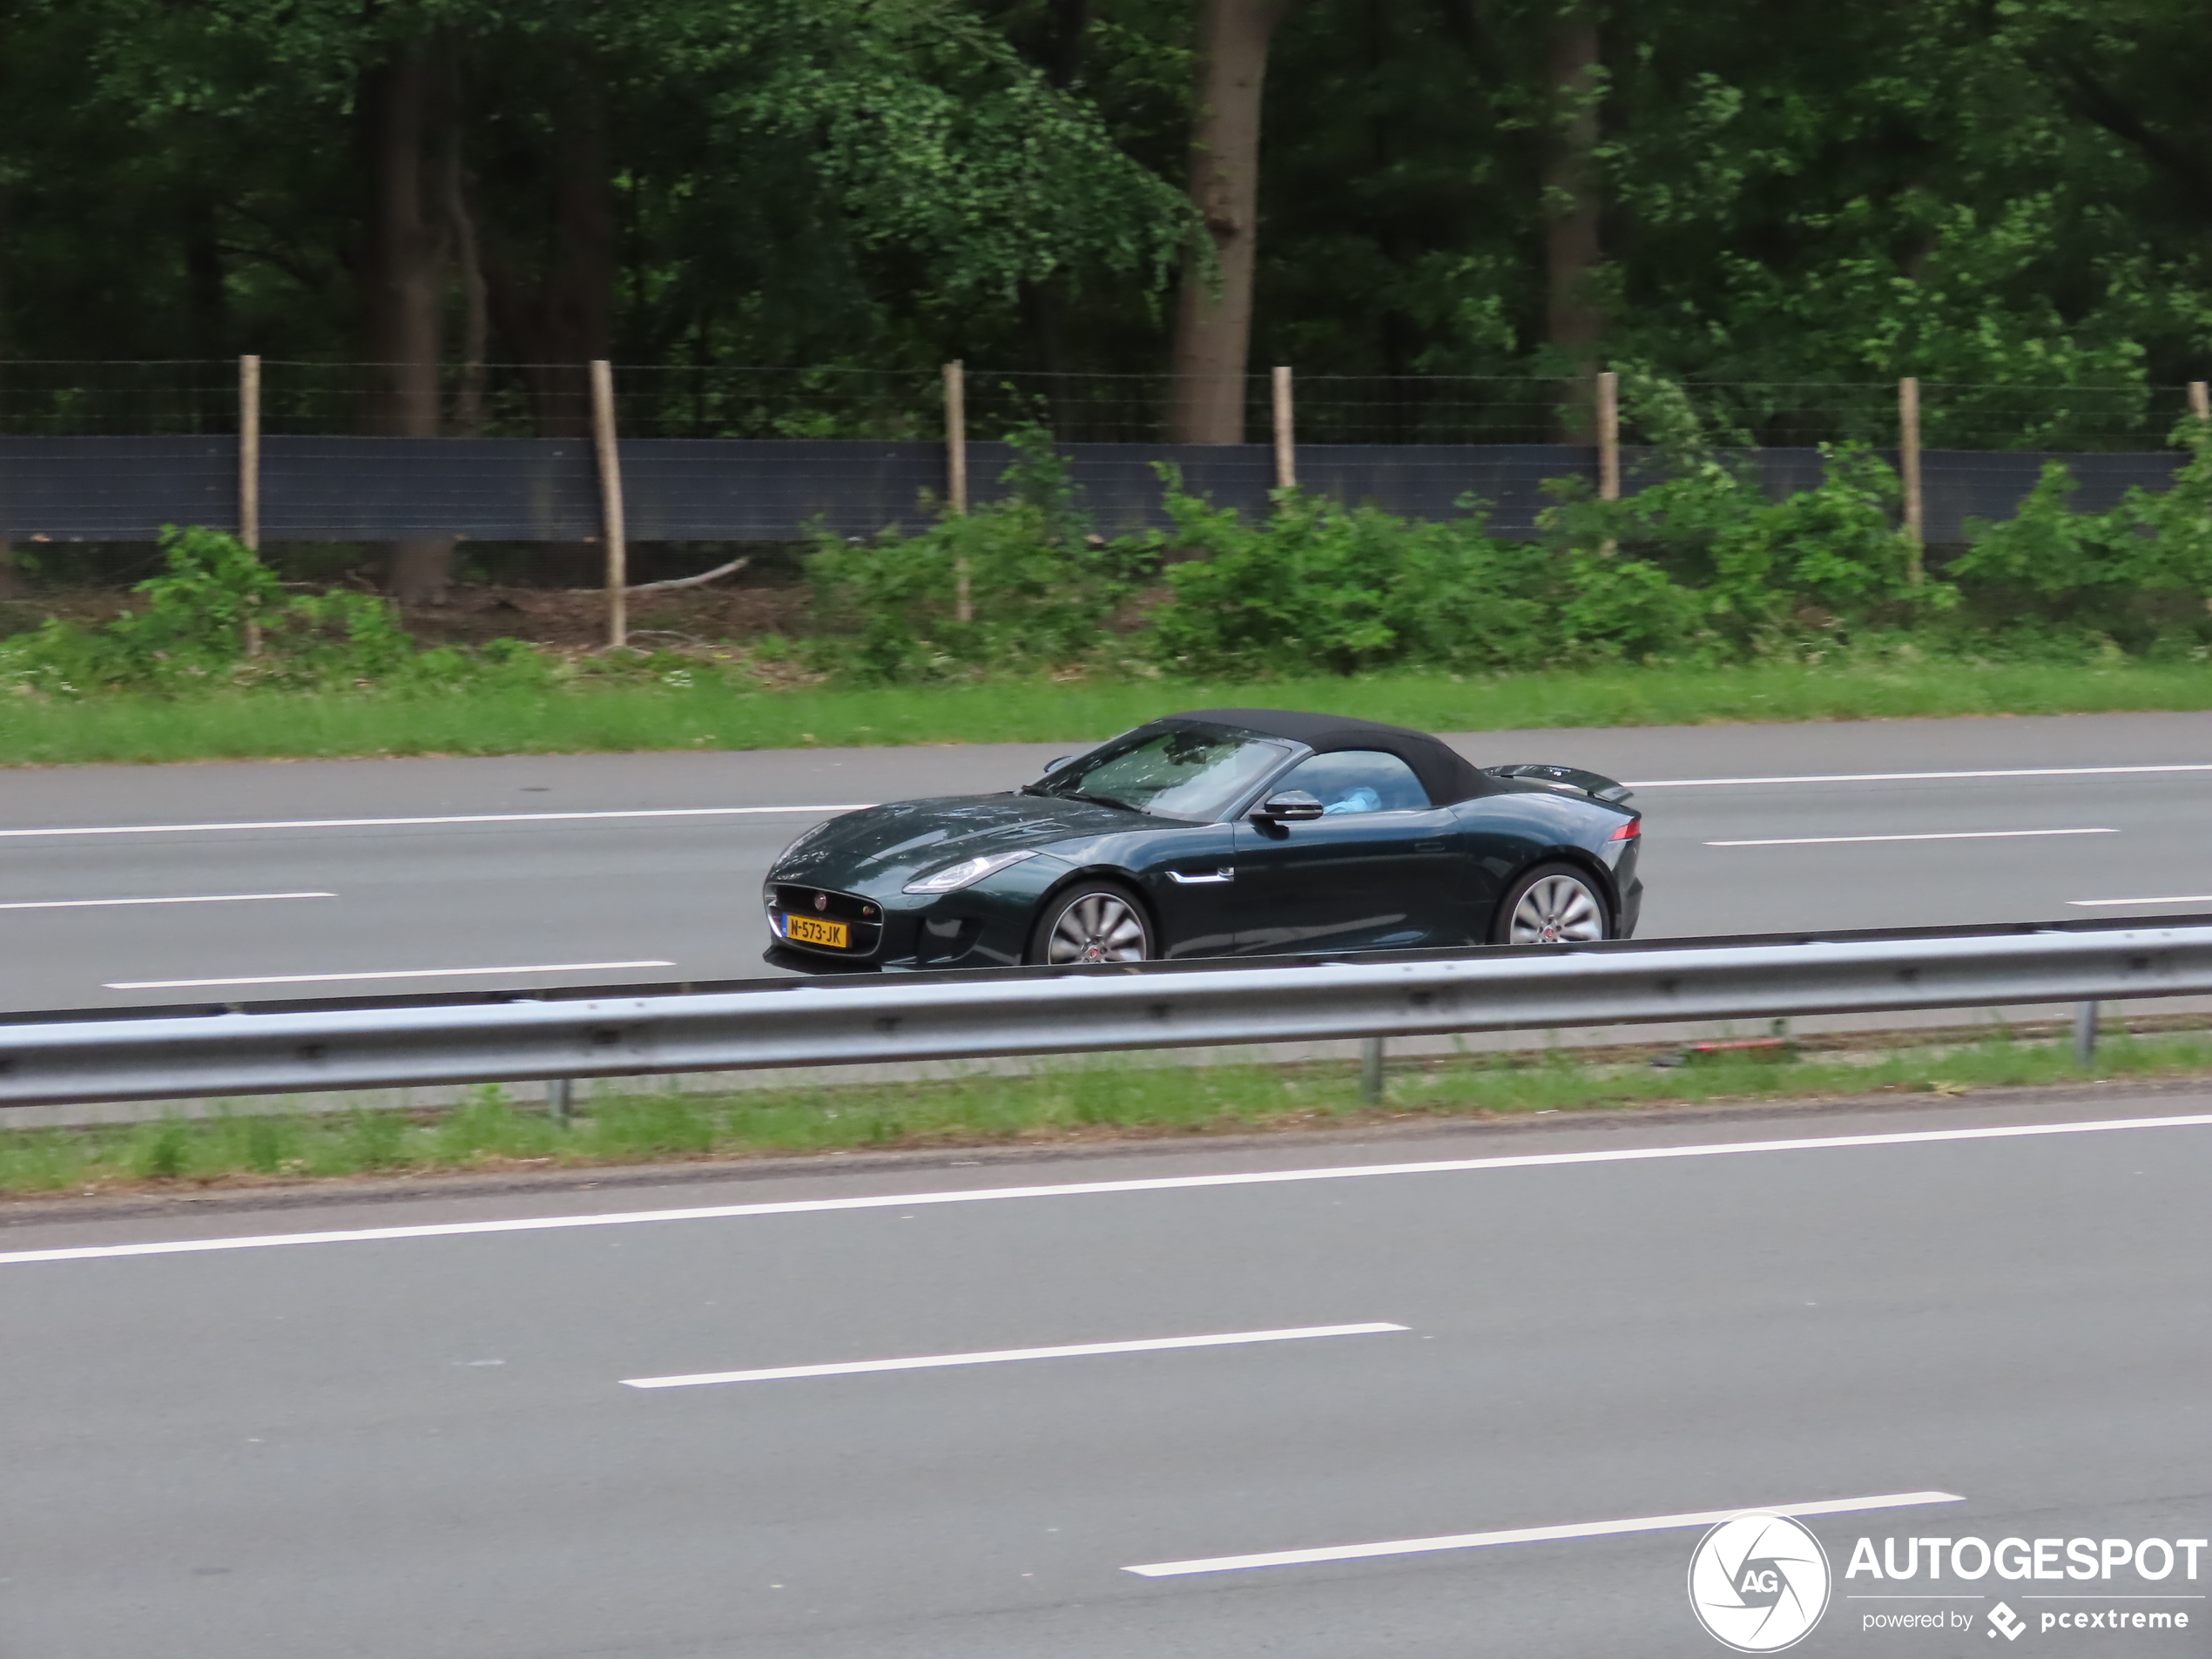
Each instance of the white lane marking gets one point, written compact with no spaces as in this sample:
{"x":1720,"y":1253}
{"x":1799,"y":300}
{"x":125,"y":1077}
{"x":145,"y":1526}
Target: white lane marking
{"x":455,"y":817}
{"x":197,"y":898}
{"x":1150,"y":1345}
{"x":854,"y":807}
{"x":2186,"y":898}
{"x":1084,"y":1189}
{"x":1535,"y":1534}
{"x":1947,"y":835}
{"x":388,"y":972}
{"x":1912,"y":777}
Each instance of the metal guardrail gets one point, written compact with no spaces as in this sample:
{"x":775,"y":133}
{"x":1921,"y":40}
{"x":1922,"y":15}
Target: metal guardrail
{"x":72,"y":1060}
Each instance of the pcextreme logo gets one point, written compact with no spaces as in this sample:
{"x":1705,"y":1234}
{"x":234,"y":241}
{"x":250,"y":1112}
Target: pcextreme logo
{"x":1758,"y":1583}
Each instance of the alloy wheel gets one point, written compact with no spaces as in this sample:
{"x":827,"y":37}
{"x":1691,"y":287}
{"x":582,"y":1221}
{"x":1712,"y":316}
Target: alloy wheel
{"x":1098,"y":927}
{"x":1557,"y":910}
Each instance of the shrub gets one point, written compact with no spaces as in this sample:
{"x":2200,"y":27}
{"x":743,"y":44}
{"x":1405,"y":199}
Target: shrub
{"x":2137,"y":575}
{"x":1322,"y":585}
{"x":1726,"y":571}
{"x":217,"y":617}
{"x":1041,"y":586}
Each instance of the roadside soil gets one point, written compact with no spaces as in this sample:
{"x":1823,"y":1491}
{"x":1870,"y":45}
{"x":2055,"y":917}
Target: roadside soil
{"x":725,"y":612}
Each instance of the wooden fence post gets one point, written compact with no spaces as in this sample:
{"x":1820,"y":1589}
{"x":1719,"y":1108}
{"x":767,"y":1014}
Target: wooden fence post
{"x":1908,"y":460}
{"x":249,"y":451}
{"x":1609,"y":436}
{"x":2199,"y":400}
{"x":956,"y":478}
{"x":610,"y":523}
{"x":1285,"y":431}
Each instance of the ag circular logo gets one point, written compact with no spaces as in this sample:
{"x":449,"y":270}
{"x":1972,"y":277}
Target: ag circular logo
{"x":1758,"y":1583}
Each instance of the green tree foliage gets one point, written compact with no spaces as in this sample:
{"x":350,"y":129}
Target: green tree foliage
{"x":791,"y":178}
{"x":1998,"y":195}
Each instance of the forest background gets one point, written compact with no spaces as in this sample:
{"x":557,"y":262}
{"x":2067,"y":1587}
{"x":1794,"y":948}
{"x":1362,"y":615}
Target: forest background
{"x":467,"y":200}
{"x":1735,"y":190}
{"x":1969,"y":190}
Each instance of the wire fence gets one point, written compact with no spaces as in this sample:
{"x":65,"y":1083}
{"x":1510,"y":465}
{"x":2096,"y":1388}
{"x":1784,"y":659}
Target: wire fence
{"x":1953,"y":415}
{"x":201,"y":398}
{"x":96,"y":457}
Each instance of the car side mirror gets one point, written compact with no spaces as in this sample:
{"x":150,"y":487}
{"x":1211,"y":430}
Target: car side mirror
{"x":1292,"y":807}
{"x":1053,"y":765}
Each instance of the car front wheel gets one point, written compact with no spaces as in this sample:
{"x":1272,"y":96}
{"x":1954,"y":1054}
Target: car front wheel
{"x":1092,"y":921}
{"x":1553,"y":904}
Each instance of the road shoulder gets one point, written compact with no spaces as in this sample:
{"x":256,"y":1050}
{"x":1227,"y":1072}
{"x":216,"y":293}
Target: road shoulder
{"x":376,"y":1201}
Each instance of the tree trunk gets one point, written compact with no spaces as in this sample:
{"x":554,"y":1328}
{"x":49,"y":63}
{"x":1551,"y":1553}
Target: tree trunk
{"x":11,"y":582}
{"x":402,"y":282}
{"x":469,"y":266}
{"x":1214,"y":311}
{"x":1571,"y":245}
{"x":206,"y":297}
{"x":558,"y":318}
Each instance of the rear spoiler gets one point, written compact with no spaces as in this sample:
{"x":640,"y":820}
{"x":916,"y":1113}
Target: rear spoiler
{"x":1594,"y":785}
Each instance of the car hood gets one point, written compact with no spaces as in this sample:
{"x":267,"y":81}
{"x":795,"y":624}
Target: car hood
{"x":888,"y":845}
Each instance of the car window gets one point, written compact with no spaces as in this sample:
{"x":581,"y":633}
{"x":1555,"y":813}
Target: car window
{"x":1358,"y":780}
{"x":1195,"y":772}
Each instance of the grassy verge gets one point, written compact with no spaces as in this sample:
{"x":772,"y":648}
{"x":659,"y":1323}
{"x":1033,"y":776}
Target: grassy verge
{"x":715,"y":715}
{"x":1090,"y":1102}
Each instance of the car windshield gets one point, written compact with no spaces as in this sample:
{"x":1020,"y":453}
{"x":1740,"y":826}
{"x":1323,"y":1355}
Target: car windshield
{"x":1189,"y":771}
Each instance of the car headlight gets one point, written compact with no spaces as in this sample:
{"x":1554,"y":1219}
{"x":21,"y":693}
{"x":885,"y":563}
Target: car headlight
{"x":954,"y":877}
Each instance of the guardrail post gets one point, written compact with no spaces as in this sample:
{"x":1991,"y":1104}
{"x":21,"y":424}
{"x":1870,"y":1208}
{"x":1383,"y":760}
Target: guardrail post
{"x":1371,"y":1069}
{"x":559,"y":1098}
{"x":2085,"y":1035}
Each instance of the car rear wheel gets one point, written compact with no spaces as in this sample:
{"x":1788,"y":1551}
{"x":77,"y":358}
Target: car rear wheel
{"x":1092,"y":921}
{"x":1553,"y":904}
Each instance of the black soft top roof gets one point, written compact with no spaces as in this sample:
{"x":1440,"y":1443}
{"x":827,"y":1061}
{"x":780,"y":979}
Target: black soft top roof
{"x":1445,"y":772}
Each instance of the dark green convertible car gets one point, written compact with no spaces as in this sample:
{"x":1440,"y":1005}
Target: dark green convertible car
{"x":1223,"y":832}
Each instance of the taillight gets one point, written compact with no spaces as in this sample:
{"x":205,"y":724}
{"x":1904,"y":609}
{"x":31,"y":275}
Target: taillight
{"x":1627,"y":831}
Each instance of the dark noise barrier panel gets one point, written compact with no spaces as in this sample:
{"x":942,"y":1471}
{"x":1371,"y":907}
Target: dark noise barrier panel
{"x":679,"y":489}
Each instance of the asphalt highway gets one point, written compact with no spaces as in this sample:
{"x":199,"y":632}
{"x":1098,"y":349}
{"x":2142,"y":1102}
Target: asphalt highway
{"x":429,"y":1442}
{"x":138,"y":885}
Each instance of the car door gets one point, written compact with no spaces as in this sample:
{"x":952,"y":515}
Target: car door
{"x":1376,"y":871}
{"x":1188,"y":874}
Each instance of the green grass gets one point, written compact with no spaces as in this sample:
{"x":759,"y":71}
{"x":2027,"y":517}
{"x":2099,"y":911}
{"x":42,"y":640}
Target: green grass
{"x":1092,"y":1102}
{"x":504,"y":720}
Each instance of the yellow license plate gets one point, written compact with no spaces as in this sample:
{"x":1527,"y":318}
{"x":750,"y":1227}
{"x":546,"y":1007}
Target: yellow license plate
{"x":807,"y":931}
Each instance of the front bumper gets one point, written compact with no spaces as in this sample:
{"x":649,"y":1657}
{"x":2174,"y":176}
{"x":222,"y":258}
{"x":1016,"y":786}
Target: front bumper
{"x":985,"y":926}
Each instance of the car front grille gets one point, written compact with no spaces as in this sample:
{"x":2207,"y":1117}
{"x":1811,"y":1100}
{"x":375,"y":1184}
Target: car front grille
{"x":863,"y":916}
